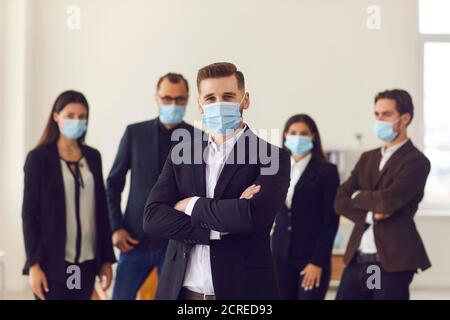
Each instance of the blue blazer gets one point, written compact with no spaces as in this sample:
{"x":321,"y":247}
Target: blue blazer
{"x":138,"y":153}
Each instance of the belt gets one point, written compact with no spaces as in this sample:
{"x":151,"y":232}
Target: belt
{"x":367,"y":258}
{"x":187,"y":294}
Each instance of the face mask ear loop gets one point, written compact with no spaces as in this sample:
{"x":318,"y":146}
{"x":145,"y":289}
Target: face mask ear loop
{"x":395,"y":122}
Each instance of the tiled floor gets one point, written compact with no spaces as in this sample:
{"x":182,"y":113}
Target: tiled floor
{"x":416,"y":294}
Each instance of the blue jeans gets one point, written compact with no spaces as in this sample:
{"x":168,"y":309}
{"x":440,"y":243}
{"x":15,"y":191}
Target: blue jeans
{"x":132,"y":270}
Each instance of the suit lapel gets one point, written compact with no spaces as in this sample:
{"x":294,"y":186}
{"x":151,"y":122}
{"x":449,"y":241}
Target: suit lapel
{"x":231,"y":166}
{"x":55,"y":163}
{"x":308,"y":174}
{"x":199,"y":176}
{"x":224,"y":178}
{"x":199,"y":167}
{"x":57,"y":183}
{"x":152,"y":150}
{"x":397,"y":155}
{"x":374,"y":168}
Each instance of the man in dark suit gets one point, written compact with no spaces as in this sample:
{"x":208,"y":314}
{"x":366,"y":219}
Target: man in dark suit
{"x":143,"y":151}
{"x":218,"y":205}
{"x":381,"y":197}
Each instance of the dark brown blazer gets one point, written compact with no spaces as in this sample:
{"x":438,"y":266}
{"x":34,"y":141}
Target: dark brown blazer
{"x":396,"y":192}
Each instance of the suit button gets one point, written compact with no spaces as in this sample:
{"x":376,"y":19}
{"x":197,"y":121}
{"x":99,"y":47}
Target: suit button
{"x":289,"y":228}
{"x":184,"y":255}
{"x":289,"y":214}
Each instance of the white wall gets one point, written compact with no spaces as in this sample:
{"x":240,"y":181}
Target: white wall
{"x":298,"y":56}
{"x":12,"y":135}
{"x":310,"y":56}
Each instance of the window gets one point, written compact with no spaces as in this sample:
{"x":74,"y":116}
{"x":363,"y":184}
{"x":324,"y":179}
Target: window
{"x":437,"y":118}
{"x":434,"y":16}
{"x":435,"y":29}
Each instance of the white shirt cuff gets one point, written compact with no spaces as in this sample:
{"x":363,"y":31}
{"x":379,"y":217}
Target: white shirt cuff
{"x":190,"y":205}
{"x":355,"y":194}
{"x":214,"y":235}
{"x":369,"y":217}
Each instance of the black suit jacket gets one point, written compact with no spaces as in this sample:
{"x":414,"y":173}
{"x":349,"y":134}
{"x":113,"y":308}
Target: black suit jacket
{"x":138,"y":152}
{"x":241,"y":262}
{"x":306,"y":232}
{"x":44,"y":211}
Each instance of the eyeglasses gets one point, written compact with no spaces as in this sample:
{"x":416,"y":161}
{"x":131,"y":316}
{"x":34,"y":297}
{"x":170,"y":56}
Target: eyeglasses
{"x":180,"y":100}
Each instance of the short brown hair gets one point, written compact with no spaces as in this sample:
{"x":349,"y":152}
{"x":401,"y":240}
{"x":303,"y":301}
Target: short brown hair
{"x":403,"y":101}
{"x":221,"y":70}
{"x":173,"y":78}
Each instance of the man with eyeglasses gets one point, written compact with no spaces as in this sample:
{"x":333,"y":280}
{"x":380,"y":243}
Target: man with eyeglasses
{"x":143,"y":151}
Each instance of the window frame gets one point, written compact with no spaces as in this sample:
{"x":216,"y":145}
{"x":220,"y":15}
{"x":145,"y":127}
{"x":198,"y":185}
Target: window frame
{"x":429,"y":207}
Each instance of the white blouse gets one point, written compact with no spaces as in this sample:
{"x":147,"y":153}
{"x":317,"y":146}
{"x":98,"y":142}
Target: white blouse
{"x":297,"y":169}
{"x":86,"y":212}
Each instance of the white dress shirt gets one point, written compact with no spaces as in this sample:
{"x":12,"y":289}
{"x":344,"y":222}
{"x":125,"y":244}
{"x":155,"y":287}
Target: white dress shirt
{"x":297,"y":169}
{"x":367,"y":244}
{"x":87,"y":213}
{"x":198,"y":277}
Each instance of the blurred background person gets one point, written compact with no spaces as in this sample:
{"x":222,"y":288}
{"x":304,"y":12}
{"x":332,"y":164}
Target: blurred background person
{"x":142,"y":152}
{"x":306,"y":226}
{"x":381,"y":197}
{"x":65,"y":214}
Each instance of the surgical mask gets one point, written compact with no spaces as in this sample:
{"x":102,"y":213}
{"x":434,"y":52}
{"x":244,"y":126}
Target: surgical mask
{"x":73,"y":129}
{"x":299,"y":145}
{"x":384,"y":130}
{"x":222,"y":117}
{"x":171,"y":114}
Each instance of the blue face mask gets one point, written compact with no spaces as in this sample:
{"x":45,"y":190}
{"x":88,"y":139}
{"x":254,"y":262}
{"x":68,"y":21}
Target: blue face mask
{"x":222,"y":117}
{"x":384,"y":130}
{"x":73,"y":129}
{"x":171,"y":114}
{"x":299,"y":145}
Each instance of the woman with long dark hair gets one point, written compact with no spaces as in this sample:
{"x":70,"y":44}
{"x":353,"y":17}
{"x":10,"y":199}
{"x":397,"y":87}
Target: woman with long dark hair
{"x":306,"y":226}
{"x":65,"y":219}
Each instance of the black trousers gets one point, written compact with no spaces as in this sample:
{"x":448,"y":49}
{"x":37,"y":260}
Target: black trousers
{"x":289,"y":281}
{"x":59,"y":290}
{"x":354,"y":284}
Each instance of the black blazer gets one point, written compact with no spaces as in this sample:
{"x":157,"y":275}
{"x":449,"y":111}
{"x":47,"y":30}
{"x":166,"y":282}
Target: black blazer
{"x":44,"y":211}
{"x":138,"y":152}
{"x":305,"y":234}
{"x":241,"y":262}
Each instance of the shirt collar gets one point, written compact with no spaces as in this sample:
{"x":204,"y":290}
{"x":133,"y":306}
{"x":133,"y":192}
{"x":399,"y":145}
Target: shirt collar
{"x":302,"y":163}
{"x":392,"y":149}
{"x":228,"y":145}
